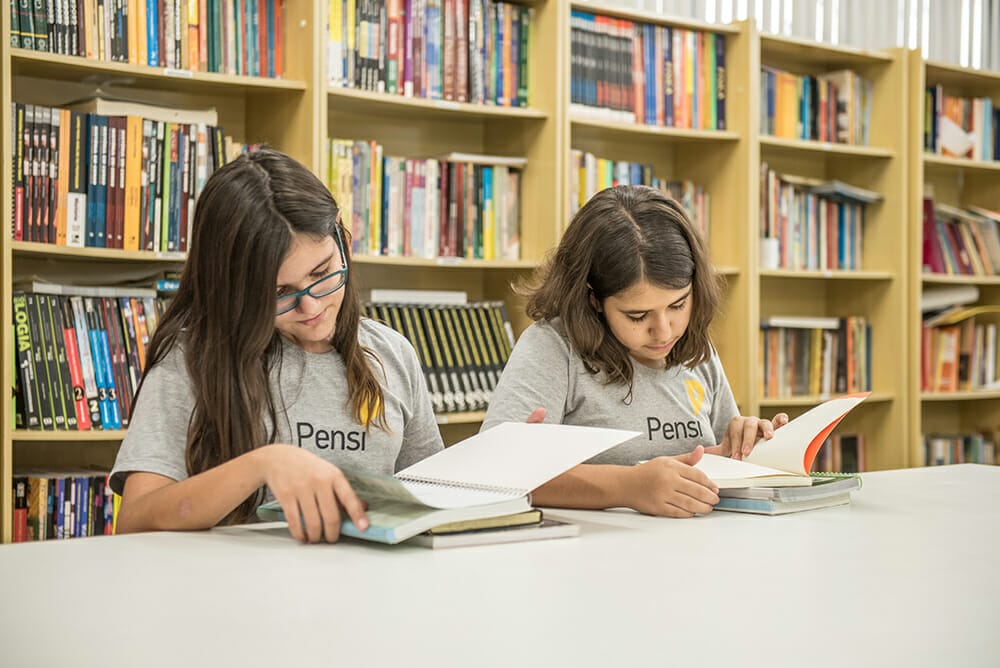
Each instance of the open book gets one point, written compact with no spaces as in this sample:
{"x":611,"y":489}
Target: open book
{"x":783,"y":460}
{"x":489,"y":474}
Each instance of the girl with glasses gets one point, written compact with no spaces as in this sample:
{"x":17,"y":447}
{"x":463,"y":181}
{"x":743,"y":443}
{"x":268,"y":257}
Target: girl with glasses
{"x":622,"y":309}
{"x":263,"y":378}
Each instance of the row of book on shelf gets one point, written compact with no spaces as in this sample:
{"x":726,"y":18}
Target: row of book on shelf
{"x":112,"y":174}
{"x":960,"y":127}
{"x":835,"y":107}
{"x":243,"y":38}
{"x":590,"y":174}
{"x":814,"y":356}
{"x":456,"y":50}
{"x":462,"y":347}
{"x":958,"y":341}
{"x":456,"y":205}
{"x":972,"y":448}
{"x":657,"y":75}
{"x":80,"y":356}
{"x":960,"y":242}
{"x":52,"y":505}
{"x":810,"y":223}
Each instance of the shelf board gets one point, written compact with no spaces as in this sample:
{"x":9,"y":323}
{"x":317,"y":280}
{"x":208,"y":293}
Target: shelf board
{"x":443,"y":262}
{"x":768,"y":143}
{"x":470,"y":417}
{"x":960,"y":280}
{"x":25,"y":62}
{"x":88,"y":436}
{"x":368,"y":102}
{"x":35,"y":249}
{"x":727,"y":270}
{"x":652,"y":17}
{"x":967,"y":395}
{"x":937,"y":72}
{"x":816,"y":399}
{"x":581,"y":121}
{"x":943,"y":162}
{"x":817,"y":54}
{"x":860,"y":275}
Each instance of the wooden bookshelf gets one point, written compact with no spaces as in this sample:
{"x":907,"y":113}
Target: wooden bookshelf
{"x":280,"y":112}
{"x":299,"y":113}
{"x":878,"y":290}
{"x":958,"y":182}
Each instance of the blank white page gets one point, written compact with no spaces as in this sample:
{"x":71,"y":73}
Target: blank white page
{"x":517,"y":455}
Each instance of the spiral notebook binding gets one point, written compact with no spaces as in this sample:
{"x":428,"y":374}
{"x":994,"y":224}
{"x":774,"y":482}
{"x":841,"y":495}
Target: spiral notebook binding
{"x":421,"y":480}
{"x":837,"y":474}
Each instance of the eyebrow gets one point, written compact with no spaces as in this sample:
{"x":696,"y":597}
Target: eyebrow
{"x":673,"y":303}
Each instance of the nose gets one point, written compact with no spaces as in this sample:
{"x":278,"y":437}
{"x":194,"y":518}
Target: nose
{"x":660,"y":327}
{"x":307,"y":303}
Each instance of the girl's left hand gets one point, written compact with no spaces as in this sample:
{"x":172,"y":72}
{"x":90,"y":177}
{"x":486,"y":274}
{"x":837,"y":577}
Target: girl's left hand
{"x":743,"y":433}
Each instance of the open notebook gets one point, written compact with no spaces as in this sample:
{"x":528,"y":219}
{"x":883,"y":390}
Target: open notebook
{"x":785,"y":459}
{"x":489,"y":474}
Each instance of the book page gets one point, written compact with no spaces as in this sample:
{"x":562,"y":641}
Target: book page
{"x":794,"y":446}
{"x":732,"y":473}
{"x":383,"y":492}
{"x":516,"y":455}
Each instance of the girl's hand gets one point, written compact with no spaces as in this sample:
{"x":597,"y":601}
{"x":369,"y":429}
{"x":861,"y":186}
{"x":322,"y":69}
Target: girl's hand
{"x":672,"y":487}
{"x":743,"y":433}
{"x":311,"y":492}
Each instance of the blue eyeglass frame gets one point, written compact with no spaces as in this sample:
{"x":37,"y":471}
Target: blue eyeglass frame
{"x":299,"y":294}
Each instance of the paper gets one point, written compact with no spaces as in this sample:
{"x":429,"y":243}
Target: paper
{"x":517,"y":455}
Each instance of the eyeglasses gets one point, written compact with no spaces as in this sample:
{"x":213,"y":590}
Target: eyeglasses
{"x":321,"y":288}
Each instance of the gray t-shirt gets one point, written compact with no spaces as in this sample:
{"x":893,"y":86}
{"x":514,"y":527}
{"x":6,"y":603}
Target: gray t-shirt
{"x":317,"y":417}
{"x":676,"y":409}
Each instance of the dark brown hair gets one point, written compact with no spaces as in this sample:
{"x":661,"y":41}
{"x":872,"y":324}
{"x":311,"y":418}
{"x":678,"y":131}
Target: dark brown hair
{"x":622,"y":236}
{"x":223,"y":314}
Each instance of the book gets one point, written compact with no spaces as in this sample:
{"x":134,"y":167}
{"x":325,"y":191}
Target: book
{"x":546,"y":529}
{"x":112,"y":107}
{"x":783,"y":460}
{"x":533,"y":516}
{"x":420,"y":297}
{"x":827,"y":490}
{"x":490,"y":474}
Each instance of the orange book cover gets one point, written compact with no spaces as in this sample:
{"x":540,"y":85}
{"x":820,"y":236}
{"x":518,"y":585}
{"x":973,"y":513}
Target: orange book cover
{"x":65,"y":152}
{"x":133,"y":182}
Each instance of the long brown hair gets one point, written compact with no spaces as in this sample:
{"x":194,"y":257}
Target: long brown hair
{"x":223,"y":314}
{"x":621,"y":236}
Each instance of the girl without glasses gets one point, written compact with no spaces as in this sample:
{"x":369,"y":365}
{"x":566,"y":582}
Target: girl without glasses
{"x":622,"y":310}
{"x":263,"y":378}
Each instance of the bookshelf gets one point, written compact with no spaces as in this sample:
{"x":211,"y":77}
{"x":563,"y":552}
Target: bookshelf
{"x":717,"y":160}
{"x":282,"y":112}
{"x":877,"y":291}
{"x":958,"y":182}
{"x":301,"y":112}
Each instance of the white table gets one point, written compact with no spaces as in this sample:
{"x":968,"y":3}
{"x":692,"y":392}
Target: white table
{"x":908,"y":575}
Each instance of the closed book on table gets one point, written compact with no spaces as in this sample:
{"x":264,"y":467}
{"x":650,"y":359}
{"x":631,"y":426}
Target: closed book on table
{"x":487,"y":475}
{"x":544,"y":530}
{"x":827,"y":490}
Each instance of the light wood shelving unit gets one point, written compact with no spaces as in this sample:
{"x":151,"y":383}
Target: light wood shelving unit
{"x":301,"y":112}
{"x":878,"y":290}
{"x":959,"y":182}
{"x":284,"y":113}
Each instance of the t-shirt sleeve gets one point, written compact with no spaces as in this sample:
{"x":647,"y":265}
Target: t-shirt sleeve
{"x":724,"y":407}
{"x":157,"y":433}
{"x":421,"y":436}
{"x":535,"y":376}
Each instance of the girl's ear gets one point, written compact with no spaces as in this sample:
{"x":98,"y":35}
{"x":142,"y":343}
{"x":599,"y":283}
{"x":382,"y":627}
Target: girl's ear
{"x":593,"y":300}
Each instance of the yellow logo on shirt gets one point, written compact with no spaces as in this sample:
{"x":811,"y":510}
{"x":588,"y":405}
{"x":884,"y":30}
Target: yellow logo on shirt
{"x":370,"y":411}
{"x":696,"y":394}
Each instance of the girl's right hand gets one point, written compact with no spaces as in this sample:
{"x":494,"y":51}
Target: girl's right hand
{"x":672,"y":487}
{"x":311,"y":492}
